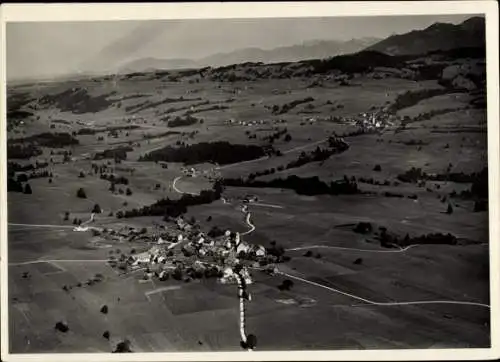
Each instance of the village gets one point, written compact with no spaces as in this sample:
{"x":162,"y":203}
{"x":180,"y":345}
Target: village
{"x":183,"y":252}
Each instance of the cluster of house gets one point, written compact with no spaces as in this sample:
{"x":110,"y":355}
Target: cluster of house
{"x":185,"y":245}
{"x":371,"y":121}
{"x":254,"y":122}
{"x":189,"y":171}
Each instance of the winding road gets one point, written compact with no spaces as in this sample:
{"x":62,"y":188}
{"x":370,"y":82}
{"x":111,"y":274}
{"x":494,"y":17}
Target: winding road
{"x":252,"y":226}
{"x":179,"y":191}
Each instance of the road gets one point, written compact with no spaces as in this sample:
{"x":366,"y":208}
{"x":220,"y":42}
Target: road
{"x":252,"y":226}
{"x":179,"y":191}
{"x":371,"y":302}
{"x":43,"y":225}
{"x":401,"y":250}
{"x":241,"y":290}
{"x":267,"y":205}
{"x":61,"y":261}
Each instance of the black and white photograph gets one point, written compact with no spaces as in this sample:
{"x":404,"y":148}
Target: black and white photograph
{"x":208,"y":184}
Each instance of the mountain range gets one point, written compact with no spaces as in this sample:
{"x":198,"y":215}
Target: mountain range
{"x":128,"y":55}
{"x":439,"y":36}
{"x":308,"y":50}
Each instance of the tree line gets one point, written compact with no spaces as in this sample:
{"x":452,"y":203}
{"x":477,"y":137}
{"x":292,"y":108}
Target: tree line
{"x":174,"y":208}
{"x":220,"y":152}
{"x":303,"y":186}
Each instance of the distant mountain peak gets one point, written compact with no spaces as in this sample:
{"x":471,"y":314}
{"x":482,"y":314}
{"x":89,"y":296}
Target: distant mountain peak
{"x":438,"y":36}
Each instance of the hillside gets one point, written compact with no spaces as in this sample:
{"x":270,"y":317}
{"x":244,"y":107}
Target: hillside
{"x":307,"y":50}
{"x":439,"y":36}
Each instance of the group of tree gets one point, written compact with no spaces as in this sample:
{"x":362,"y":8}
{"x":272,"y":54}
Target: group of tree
{"x":22,"y":151}
{"x":410,"y":98}
{"x":47,"y":139}
{"x":174,"y":208}
{"x":291,"y":105}
{"x":119,"y":153}
{"x":183,"y":122}
{"x":117,"y":180}
{"x":415,"y":175}
{"x":219,"y":152}
{"x":302,"y":186}
{"x":277,"y":135}
{"x":318,"y":155}
{"x":78,"y":101}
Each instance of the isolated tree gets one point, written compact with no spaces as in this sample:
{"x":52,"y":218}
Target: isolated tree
{"x":62,"y":327}
{"x":106,"y":335}
{"x":449,"y":210}
{"x":358,"y":261}
{"x":75,"y":221}
{"x":286,"y":285}
{"x":209,"y":218}
{"x":377,"y":168}
{"x":96,"y":209}
{"x":251,"y":341}
{"x":288,"y":137}
{"x":112,"y":187}
{"x":308,"y":253}
{"x":27,"y":189}
{"x":82,"y":174}
{"x":123,"y":347}
{"x":81,"y":193}
{"x":50,"y":180}
{"x":129,"y":192}
{"x":104,"y":309}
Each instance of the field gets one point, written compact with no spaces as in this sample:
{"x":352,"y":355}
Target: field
{"x":349,"y":290}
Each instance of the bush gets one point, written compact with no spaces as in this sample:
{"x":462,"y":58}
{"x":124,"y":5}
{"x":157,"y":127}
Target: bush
{"x":123,"y":347}
{"x":81,"y":193}
{"x":251,"y":341}
{"x":286,"y":285}
{"x":363,"y":228}
{"x":62,"y":327}
{"x":27,"y":189}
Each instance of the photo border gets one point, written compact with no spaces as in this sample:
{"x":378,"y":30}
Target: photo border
{"x":212,"y":10}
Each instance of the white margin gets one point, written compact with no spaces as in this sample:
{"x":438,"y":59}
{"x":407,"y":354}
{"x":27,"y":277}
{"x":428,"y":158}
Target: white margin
{"x":145,"y":11}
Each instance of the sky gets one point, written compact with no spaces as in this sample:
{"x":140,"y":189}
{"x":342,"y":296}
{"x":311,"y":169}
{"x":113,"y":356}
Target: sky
{"x":44,"y":49}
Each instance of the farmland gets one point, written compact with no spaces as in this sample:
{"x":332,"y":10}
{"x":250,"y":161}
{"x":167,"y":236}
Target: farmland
{"x":388,"y":262}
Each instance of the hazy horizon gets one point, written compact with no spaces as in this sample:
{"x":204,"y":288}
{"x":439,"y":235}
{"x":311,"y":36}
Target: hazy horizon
{"x":53,"y":49}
